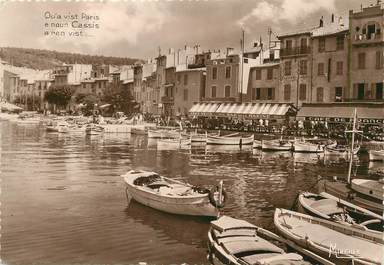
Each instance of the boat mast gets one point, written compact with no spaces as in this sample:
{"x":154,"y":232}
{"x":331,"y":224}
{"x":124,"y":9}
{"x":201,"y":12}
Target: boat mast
{"x":352,"y":145}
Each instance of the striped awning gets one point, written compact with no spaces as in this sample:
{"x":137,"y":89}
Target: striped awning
{"x":204,"y":109}
{"x":247,"y":110}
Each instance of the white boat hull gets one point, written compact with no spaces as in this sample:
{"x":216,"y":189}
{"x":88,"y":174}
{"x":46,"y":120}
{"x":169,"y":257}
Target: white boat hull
{"x":304,"y":147}
{"x":222,"y":140}
{"x":276,"y":146}
{"x":376,"y":155}
{"x":371,"y":188}
{"x":185,"y":205}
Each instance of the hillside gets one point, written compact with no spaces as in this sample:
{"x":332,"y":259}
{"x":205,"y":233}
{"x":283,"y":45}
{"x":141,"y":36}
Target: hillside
{"x":46,"y":59}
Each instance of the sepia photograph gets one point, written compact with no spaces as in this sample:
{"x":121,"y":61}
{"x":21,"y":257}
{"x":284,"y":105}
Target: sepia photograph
{"x":192,"y":132}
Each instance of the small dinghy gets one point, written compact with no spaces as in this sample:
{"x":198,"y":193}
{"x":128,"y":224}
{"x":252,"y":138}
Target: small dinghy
{"x":198,"y":137}
{"x":173,"y":196}
{"x":376,"y":155}
{"x":340,"y":151}
{"x":93,"y":129}
{"x":369,"y":187}
{"x":340,"y":243}
{"x":232,"y":139}
{"x":181,"y":143}
{"x":333,"y":209}
{"x":276,"y":145}
{"x":234,"y":241}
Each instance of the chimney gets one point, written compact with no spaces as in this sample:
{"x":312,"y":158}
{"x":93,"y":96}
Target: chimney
{"x":333,"y":18}
{"x":321,"y":22}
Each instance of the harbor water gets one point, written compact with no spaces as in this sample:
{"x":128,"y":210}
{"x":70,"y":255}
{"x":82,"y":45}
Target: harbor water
{"x":63,"y":200}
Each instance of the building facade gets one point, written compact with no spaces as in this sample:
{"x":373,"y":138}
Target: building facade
{"x":366,"y":54}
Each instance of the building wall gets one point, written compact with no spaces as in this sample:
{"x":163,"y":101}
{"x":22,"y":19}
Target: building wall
{"x":366,"y":82}
{"x":263,"y":84}
{"x":188,"y":89}
{"x":295,"y":80}
{"x":327,"y":84}
{"x":221,"y":81}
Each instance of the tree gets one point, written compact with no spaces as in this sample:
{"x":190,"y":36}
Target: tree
{"x":59,"y":95}
{"x":120,"y":101}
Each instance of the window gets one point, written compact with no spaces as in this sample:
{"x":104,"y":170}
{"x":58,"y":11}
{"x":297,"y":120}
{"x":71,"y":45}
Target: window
{"x":288,"y":44}
{"x":258,"y":93}
{"x":303,"y":42}
{"x":270,"y":93}
{"x":269,"y":73}
{"x":320,"y":69}
{"x":303,"y":92}
{"x":339,"y":68}
{"x":258,"y":74}
{"x":213,"y":91}
{"x":99,"y":84}
{"x":185,"y":94}
{"x":287,"y":68}
{"x":361,"y":60}
{"x":379,"y":60}
{"x":178,"y":79}
{"x":228,"y":72}
{"x":185,"y":79}
{"x":321,"y":44}
{"x":303,"y":67}
{"x":340,"y":43}
{"x":371,"y":30}
{"x":320,"y":94}
{"x":83,"y":85}
{"x":338,"y":94}
{"x":214,"y":73}
{"x":287,"y":92}
{"x":227,"y":91}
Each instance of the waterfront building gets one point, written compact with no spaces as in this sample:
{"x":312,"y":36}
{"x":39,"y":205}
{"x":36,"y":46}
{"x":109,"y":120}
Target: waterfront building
{"x":366,"y":54}
{"x":329,"y":64}
{"x":227,"y":78}
{"x":295,"y":58}
{"x":264,"y":77}
{"x":189,"y":88}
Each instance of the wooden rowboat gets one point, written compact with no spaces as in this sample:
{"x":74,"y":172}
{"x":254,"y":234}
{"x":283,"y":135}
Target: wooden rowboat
{"x":230,"y":140}
{"x":376,"y":155}
{"x":234,"y":241}
{"x":369,"y":187}
{"x":170,"y":195}
{"x":337,"y":210}
{"x":276,"y":145}
{"x":340,"y":243}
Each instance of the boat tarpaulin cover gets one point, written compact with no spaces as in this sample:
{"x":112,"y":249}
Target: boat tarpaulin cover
{"x":343,"y":112}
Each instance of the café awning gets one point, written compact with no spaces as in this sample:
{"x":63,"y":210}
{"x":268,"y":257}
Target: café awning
{"x":368,"y":113}
{"x":244,"y":110}
{"x":254,"y":110}
{"x":204,"y":109}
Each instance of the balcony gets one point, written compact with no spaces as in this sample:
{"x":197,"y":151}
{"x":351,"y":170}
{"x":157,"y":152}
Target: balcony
{"x":366,"y":39}
{"x":295,"y":51}
{"x":167,"y":100}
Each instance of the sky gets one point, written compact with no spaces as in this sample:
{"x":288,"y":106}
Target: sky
{"x":138,"y":29}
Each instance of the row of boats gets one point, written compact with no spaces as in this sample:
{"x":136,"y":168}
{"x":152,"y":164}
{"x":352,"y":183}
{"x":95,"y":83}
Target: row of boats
{"x":343,"y":224}
{"x":325,"y":228}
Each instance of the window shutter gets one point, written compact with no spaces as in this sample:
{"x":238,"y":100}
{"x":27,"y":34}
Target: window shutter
{"x":355,"y":90}
{"x":332,"y":94}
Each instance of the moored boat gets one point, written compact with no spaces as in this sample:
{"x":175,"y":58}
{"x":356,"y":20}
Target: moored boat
{"x":199,"y":137}
{"x":257,"y":144}
{"x":182,"y":143}
{"x":93,"y":129}
{"x":234,"y":241}
{"x":369,"y":187}
{"x":233,"y":139}
{"x":340,"y":151}
{"x":376,"y":155}
{"x":276,"y":145}
{"x":172,"y":196}
{"x":334,"y":209}
{"x":340,"y":243}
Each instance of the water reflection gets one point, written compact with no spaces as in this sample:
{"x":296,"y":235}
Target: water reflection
{"x":63,"y":195}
